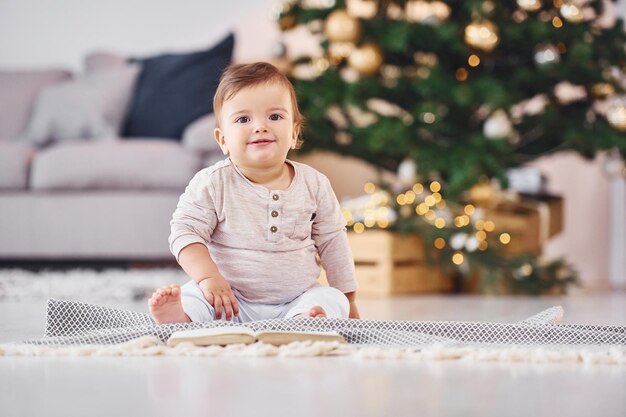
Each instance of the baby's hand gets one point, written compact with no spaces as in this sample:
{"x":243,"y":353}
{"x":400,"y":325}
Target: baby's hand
{"x":217,"y":292}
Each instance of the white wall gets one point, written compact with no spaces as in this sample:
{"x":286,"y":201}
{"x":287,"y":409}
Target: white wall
{"x":41,"y":33}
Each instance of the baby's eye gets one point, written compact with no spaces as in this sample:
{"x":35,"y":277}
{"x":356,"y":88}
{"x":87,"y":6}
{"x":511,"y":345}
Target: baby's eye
{"x":243,"y":119}
{"x":276,"y":116}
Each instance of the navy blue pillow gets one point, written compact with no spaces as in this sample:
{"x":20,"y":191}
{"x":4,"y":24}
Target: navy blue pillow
{"x":173,"y":90}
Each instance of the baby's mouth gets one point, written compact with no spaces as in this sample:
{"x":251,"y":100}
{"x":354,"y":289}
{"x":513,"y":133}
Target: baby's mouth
{"x":261,"y":142}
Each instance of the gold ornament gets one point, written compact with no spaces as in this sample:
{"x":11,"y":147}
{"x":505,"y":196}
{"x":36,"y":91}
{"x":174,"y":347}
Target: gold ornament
{"x":440,"y":10}
{"x":364,"y":9}
{"x":395,"y":12}
{"x":602,"y":90}
{"x":287,"y":22}
{"x":616,"y":115}
{"x":426,"y":59}
{"x":426,"y":11}
{"x":572,"y":12}
{"x":417,"y":10}
{"x":367,"y":59}
{"x":488,"y":6}
{"x":338,"y":51}
{"x":341,"y":27}
{"x":529,"y":5}
{"x":482,"y":35}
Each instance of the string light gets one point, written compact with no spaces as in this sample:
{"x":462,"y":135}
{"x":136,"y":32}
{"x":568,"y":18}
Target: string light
{"x":410,"y":197}
{"x":481,"y":235}
{"x":369,"y":188}
{"x":473,"y":60}
{"x":401,"y":199}
{"x":557,"y":22}
{"x":430,"y":201}
{"x":457,"y":258}
{"x":469,"y":209}
{"x":422,"y":209}
{"x":461,"y":74}
{"x":435,"y":187}
{"x":505,"y":238}
{"x":440,"y":223}
{"x":359,"y":228}
{"x":430,"y":215}
{"x":418,"y":188}
{"x":440,"y":243}
{"x":490,"y":226}
{"x":483,"y":245}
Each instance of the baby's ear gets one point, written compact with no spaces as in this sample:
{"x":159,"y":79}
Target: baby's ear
{"x":219,"y":138}
{"x":296,"y":135}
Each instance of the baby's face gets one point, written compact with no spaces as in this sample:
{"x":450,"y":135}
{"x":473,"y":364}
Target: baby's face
{"x":256,"y":126}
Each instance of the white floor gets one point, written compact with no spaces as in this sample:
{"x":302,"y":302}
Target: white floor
{"x":174,"y":386}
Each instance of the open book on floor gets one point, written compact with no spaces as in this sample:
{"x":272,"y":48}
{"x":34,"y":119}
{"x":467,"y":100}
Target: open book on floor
{"x":228,"y":335}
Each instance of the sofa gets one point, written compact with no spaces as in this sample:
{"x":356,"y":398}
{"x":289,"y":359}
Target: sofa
{"x":92,"y":164}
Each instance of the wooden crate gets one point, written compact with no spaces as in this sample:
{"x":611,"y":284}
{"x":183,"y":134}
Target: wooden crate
{"x":387,"y":263}
{"x":529,"y":222}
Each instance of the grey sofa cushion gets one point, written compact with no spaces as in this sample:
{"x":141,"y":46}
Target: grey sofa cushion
{"x":118,"y":165}
{"x":18,"y":92}
{"x":92,"y":106}
{"x":15,"y":161}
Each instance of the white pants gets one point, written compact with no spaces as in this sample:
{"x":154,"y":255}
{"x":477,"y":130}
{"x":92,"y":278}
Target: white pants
{"x":333,"y":301}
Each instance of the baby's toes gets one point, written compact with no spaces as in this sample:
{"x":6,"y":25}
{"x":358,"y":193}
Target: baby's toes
{"x":317,"y":312}
{"x":173,"y":288}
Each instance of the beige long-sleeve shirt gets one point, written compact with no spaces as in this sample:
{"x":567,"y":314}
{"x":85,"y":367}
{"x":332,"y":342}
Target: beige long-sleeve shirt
{"x":265,"y":242}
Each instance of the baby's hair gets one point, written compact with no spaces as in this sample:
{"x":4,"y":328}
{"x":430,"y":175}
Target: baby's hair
{"x":239,"y":76}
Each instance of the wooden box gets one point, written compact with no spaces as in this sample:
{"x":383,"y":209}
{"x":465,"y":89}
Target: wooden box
{"x":530,"y":222}
{"x":388,"y":263}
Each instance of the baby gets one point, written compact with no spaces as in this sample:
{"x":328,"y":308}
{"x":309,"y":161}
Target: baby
{"x":248,"y":229}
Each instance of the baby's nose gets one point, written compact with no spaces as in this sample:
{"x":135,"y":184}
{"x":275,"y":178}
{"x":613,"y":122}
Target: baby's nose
{"x":260,"y":128}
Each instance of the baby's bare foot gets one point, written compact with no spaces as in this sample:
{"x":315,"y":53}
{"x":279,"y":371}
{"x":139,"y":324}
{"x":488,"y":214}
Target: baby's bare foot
{"x":166,"y":307}
{"x":314,"y":312}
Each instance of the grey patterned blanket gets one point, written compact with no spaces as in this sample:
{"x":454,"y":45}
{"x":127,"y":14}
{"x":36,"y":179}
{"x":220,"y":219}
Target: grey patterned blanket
{"x":74,"y":323}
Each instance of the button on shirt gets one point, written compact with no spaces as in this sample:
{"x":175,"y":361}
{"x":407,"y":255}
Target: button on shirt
{"x":265,"y":242}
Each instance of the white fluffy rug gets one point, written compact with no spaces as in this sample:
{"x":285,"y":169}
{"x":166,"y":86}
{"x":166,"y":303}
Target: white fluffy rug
{"x":86,"y":285}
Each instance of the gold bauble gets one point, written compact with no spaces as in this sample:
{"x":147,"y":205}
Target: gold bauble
{"x":364,"y":9}
{"x":440,"y":10}
{"x":426,"y":11}
{"x":482,"y":35}
{"x":341,"y":27}
{"x":616,"y":115}
{"x":572,"y":13}
{"x":529,"y":5}
{"x":287,"y":22}
{"x":602,"y":90}
{"x":417,"y":10}
{"x":367,"y":59}
{"x":338,"y":51}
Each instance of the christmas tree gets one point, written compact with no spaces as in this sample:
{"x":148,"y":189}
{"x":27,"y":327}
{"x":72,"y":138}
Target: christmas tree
{"x":467,"y":88}
{"x":464,"y":90}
